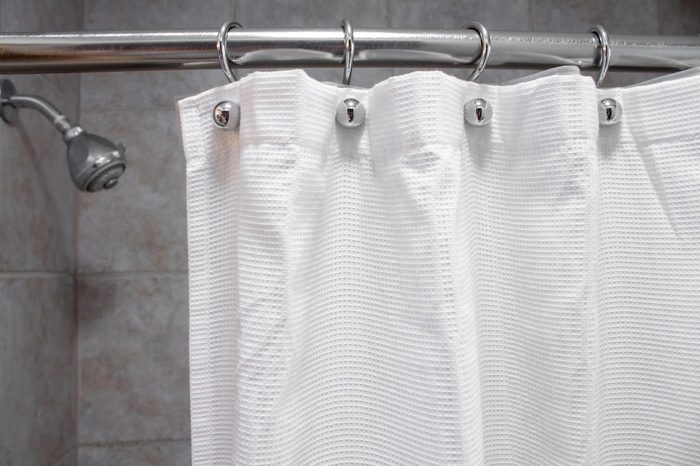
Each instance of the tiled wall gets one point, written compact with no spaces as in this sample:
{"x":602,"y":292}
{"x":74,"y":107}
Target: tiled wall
{"x":132,"y":255}
{"x":132,"y":258}
{"x":37,"y":312}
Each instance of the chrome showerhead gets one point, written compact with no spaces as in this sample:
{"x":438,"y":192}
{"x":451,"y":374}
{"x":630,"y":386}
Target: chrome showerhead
{"x":95,"y":163}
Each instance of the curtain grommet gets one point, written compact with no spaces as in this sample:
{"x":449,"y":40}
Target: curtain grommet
{"x":226,"y":115}
{"x":350,"y":113}
{"x":609,"y":112}
{"x":478,"y":112}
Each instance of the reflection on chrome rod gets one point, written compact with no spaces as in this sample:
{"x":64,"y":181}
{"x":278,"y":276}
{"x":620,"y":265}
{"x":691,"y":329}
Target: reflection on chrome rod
{"x":247,"y":48}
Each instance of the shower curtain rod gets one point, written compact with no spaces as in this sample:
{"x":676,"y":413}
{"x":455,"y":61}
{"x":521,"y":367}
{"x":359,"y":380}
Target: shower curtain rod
{"x":74,"y":52}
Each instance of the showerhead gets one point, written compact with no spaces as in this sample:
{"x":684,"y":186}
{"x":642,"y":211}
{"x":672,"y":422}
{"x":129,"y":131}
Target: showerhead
{"x":95,"y":163}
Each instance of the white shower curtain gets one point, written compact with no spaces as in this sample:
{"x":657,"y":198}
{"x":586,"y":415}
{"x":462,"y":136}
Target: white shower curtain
{"x":418,"y":291}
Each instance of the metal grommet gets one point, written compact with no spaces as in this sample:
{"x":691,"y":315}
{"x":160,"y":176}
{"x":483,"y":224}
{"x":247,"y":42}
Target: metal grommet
{"x":349,"y":50}
{"x":478,"y":112}
{"x":226,"y":115}
{"x":350,"y":113}
{"x":605,"y":53}
{"x":485,"y":53}
{"x":609,"y":112}
{"x":221,"y":49}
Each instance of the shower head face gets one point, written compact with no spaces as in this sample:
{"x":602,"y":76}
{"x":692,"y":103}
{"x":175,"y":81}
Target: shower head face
{"x":95,"y":163}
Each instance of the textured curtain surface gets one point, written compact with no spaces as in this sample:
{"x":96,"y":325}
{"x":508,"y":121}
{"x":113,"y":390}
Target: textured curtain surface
{"x":417,"y":291}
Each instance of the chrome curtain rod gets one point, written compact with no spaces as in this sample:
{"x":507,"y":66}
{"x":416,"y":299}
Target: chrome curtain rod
{"x":31,"y":53}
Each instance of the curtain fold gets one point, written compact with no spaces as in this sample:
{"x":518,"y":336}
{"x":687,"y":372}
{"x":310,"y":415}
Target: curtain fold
{"x":420,"y":291}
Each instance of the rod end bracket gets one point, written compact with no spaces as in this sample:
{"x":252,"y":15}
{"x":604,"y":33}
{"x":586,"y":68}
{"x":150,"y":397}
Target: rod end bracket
{"x":8,"y":113}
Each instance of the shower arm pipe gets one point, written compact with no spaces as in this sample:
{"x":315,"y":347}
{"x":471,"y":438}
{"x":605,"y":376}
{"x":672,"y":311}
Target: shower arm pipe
{"x":248,"y":48}
{"x":43,"y":106}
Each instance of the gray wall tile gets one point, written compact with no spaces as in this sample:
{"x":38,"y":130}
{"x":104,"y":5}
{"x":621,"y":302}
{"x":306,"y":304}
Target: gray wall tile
{"x":579,"y":15}
{"x":36,"y":192}
{"x":311,"y":13}
{"x":38,"y":367}
{"x":133,"y":358}
{"x":40,"y":15}
{"x":679,"y":17}
{"x":565,"y":15}
{"x":140,"y":225}
{"x":149,"y":90}
{"x":495,"y":14}
{"x":70,"y":458}
{"x":146,"y":454}
{"x":127,"y":15}
{"x":630,"y":17}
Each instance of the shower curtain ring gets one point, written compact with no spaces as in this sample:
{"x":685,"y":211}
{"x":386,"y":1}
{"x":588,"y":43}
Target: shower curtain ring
{"x":602,"y":58}
{"x":485,"y":53}
{"x":221,"y":49}
{"x":349,"y":53}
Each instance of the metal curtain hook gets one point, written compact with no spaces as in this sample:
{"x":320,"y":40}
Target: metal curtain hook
{"x":485,"y":39}
{"x":602,"y":59}
{"x":349,"y":54}
{"x":221,"y":49}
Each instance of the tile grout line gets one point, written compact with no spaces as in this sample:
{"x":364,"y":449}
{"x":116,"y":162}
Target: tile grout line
{"x":76,"y":263}
{"x":31,"y":274}
{"x":65,"y":454}
{"x":76,"y":269}
{"x":130,"y":443}
{"x":127,"y":274}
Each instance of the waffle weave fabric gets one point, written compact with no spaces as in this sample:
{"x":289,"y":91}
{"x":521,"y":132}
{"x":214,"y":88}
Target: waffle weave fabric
{"x":418,"y":291}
